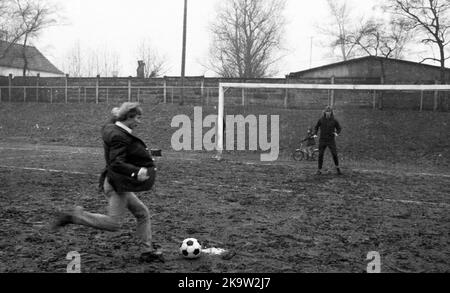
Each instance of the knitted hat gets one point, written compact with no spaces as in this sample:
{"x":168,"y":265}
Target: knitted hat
{"x":122,"y":111}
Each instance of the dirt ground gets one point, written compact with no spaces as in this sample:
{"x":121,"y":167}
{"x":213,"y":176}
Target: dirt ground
{"x":278,"y":218}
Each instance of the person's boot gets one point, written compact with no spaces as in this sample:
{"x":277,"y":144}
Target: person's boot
{"x":319,"y":172}
{"x":62,"y":220}
{"x":65,"y":218}
{"x":338,"y":171}
{"x":154,"y":255}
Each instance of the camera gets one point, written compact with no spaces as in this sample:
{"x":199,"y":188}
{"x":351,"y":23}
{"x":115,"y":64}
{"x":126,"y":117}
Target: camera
{"x":156,"y":152}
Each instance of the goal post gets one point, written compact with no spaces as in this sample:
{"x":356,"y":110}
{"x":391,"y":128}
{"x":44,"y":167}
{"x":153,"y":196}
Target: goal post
{"x":371,"y":88}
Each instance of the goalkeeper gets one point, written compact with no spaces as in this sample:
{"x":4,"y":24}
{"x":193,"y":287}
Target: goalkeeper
{"x":329,"y":128}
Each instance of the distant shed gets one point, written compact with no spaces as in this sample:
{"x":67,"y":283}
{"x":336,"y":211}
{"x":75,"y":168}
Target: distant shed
{"x":393,"y":71}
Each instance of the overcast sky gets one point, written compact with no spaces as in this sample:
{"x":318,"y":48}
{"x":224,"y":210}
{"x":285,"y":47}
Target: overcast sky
{"x":119,"y":25}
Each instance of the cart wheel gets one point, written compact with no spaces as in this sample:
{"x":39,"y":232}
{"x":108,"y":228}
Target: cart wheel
{"x":298,"y":155}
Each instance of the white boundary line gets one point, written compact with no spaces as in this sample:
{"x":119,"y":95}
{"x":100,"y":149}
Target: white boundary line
{"x":404,"y":201}
{"x":406,"y":173}
{"x":82,"y":150}
{"x":45,"y":170}
{"x":85,"y":150}
{"x":21,"y":157}
{"x":273,"y":190}
{"x":56,"y":150}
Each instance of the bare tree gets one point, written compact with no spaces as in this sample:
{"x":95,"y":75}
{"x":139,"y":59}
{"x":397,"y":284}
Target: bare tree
{"x":82,"y":62}
{"x":74,"y":61}
{"x":102,"y":61}
{"x":360,"y":37}
{"x":32,"y":16}
{"x":429,"y":17}
{"x":378,"y":38}
{"x":89,"y":67}
{"x":115,"y":63}
{"x":247,"y":37}
{"x":155,"y":65}
{"x":4,"y":14}
{"x":339,"y":28}
{"x":110,"y":59}
{"x":10,"y":30}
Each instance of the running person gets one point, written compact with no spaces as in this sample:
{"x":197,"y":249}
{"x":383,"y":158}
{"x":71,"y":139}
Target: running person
{"x":329,"y":128}
{"x":129,"y":168}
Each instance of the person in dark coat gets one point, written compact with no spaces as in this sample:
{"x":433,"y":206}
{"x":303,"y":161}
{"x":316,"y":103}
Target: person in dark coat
{"x":329,"y":128}
{"x":129,"y":168}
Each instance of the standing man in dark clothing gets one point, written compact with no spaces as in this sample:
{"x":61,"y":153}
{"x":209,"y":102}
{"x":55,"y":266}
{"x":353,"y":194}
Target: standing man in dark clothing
{"x":329,"y":129}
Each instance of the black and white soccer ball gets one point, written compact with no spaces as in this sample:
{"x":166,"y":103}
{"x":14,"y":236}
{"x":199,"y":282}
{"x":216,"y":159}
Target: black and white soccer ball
{"x":190,"y":248}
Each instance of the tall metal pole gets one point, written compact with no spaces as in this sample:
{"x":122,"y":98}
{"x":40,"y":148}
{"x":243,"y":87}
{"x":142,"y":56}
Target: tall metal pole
{"x":183,"y":57}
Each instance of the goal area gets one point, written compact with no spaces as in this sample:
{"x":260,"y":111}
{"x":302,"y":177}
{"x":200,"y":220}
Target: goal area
{"x":300,"y":105}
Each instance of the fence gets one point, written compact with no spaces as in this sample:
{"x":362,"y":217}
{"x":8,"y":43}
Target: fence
{"x":111,"y":94}
{"x":205,"y":91}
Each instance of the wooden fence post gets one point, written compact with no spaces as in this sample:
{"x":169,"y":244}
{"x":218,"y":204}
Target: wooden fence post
{"x":165,"y":90}
{"x":129,"y":89}
{"x":202,"y":89}
{"x":286,"y":93}
{"x":436,"y":98}
{"x":421,"y":101}
{"x":37,"y":87}
{"x":332,"y":92}
{"x":9,"y":87}
{"x":374,"y":99}
{"x":380,"y":96}
{"x":65,"y":88}
{"x":97,"y":84}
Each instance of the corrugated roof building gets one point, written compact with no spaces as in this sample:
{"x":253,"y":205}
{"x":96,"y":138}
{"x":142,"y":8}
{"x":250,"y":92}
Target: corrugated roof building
{"x":393,"y":71}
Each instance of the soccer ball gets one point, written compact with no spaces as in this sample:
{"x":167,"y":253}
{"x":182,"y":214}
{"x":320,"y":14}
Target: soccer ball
{"x":190,"y":248}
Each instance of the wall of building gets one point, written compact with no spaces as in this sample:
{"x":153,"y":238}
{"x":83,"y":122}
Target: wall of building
{"x":402,"y":72}
{"x":394,"y":72}
{"x":5,"y":71}
{"x":360,"y":68}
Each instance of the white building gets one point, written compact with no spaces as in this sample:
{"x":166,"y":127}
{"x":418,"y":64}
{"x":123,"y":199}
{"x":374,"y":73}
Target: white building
{"x":12,"y":61}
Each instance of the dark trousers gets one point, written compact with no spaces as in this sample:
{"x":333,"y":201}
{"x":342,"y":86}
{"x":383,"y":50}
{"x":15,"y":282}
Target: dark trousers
{"x":332,"y":146}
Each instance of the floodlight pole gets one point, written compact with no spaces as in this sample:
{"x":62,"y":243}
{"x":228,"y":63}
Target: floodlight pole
{"x":183,"y":57}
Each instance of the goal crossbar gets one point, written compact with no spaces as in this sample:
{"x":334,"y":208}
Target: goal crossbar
{"x":365,"y":87}
{"x":375,"y":87}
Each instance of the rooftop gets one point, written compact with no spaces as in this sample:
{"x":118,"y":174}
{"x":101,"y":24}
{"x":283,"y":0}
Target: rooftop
{"x":36,"y":60}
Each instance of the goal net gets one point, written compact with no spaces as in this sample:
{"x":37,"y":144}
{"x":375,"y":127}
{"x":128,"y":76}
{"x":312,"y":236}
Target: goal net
{"x":263,"y":118}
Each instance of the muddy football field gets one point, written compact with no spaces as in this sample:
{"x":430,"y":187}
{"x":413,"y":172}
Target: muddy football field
{"x":276,"y":217}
